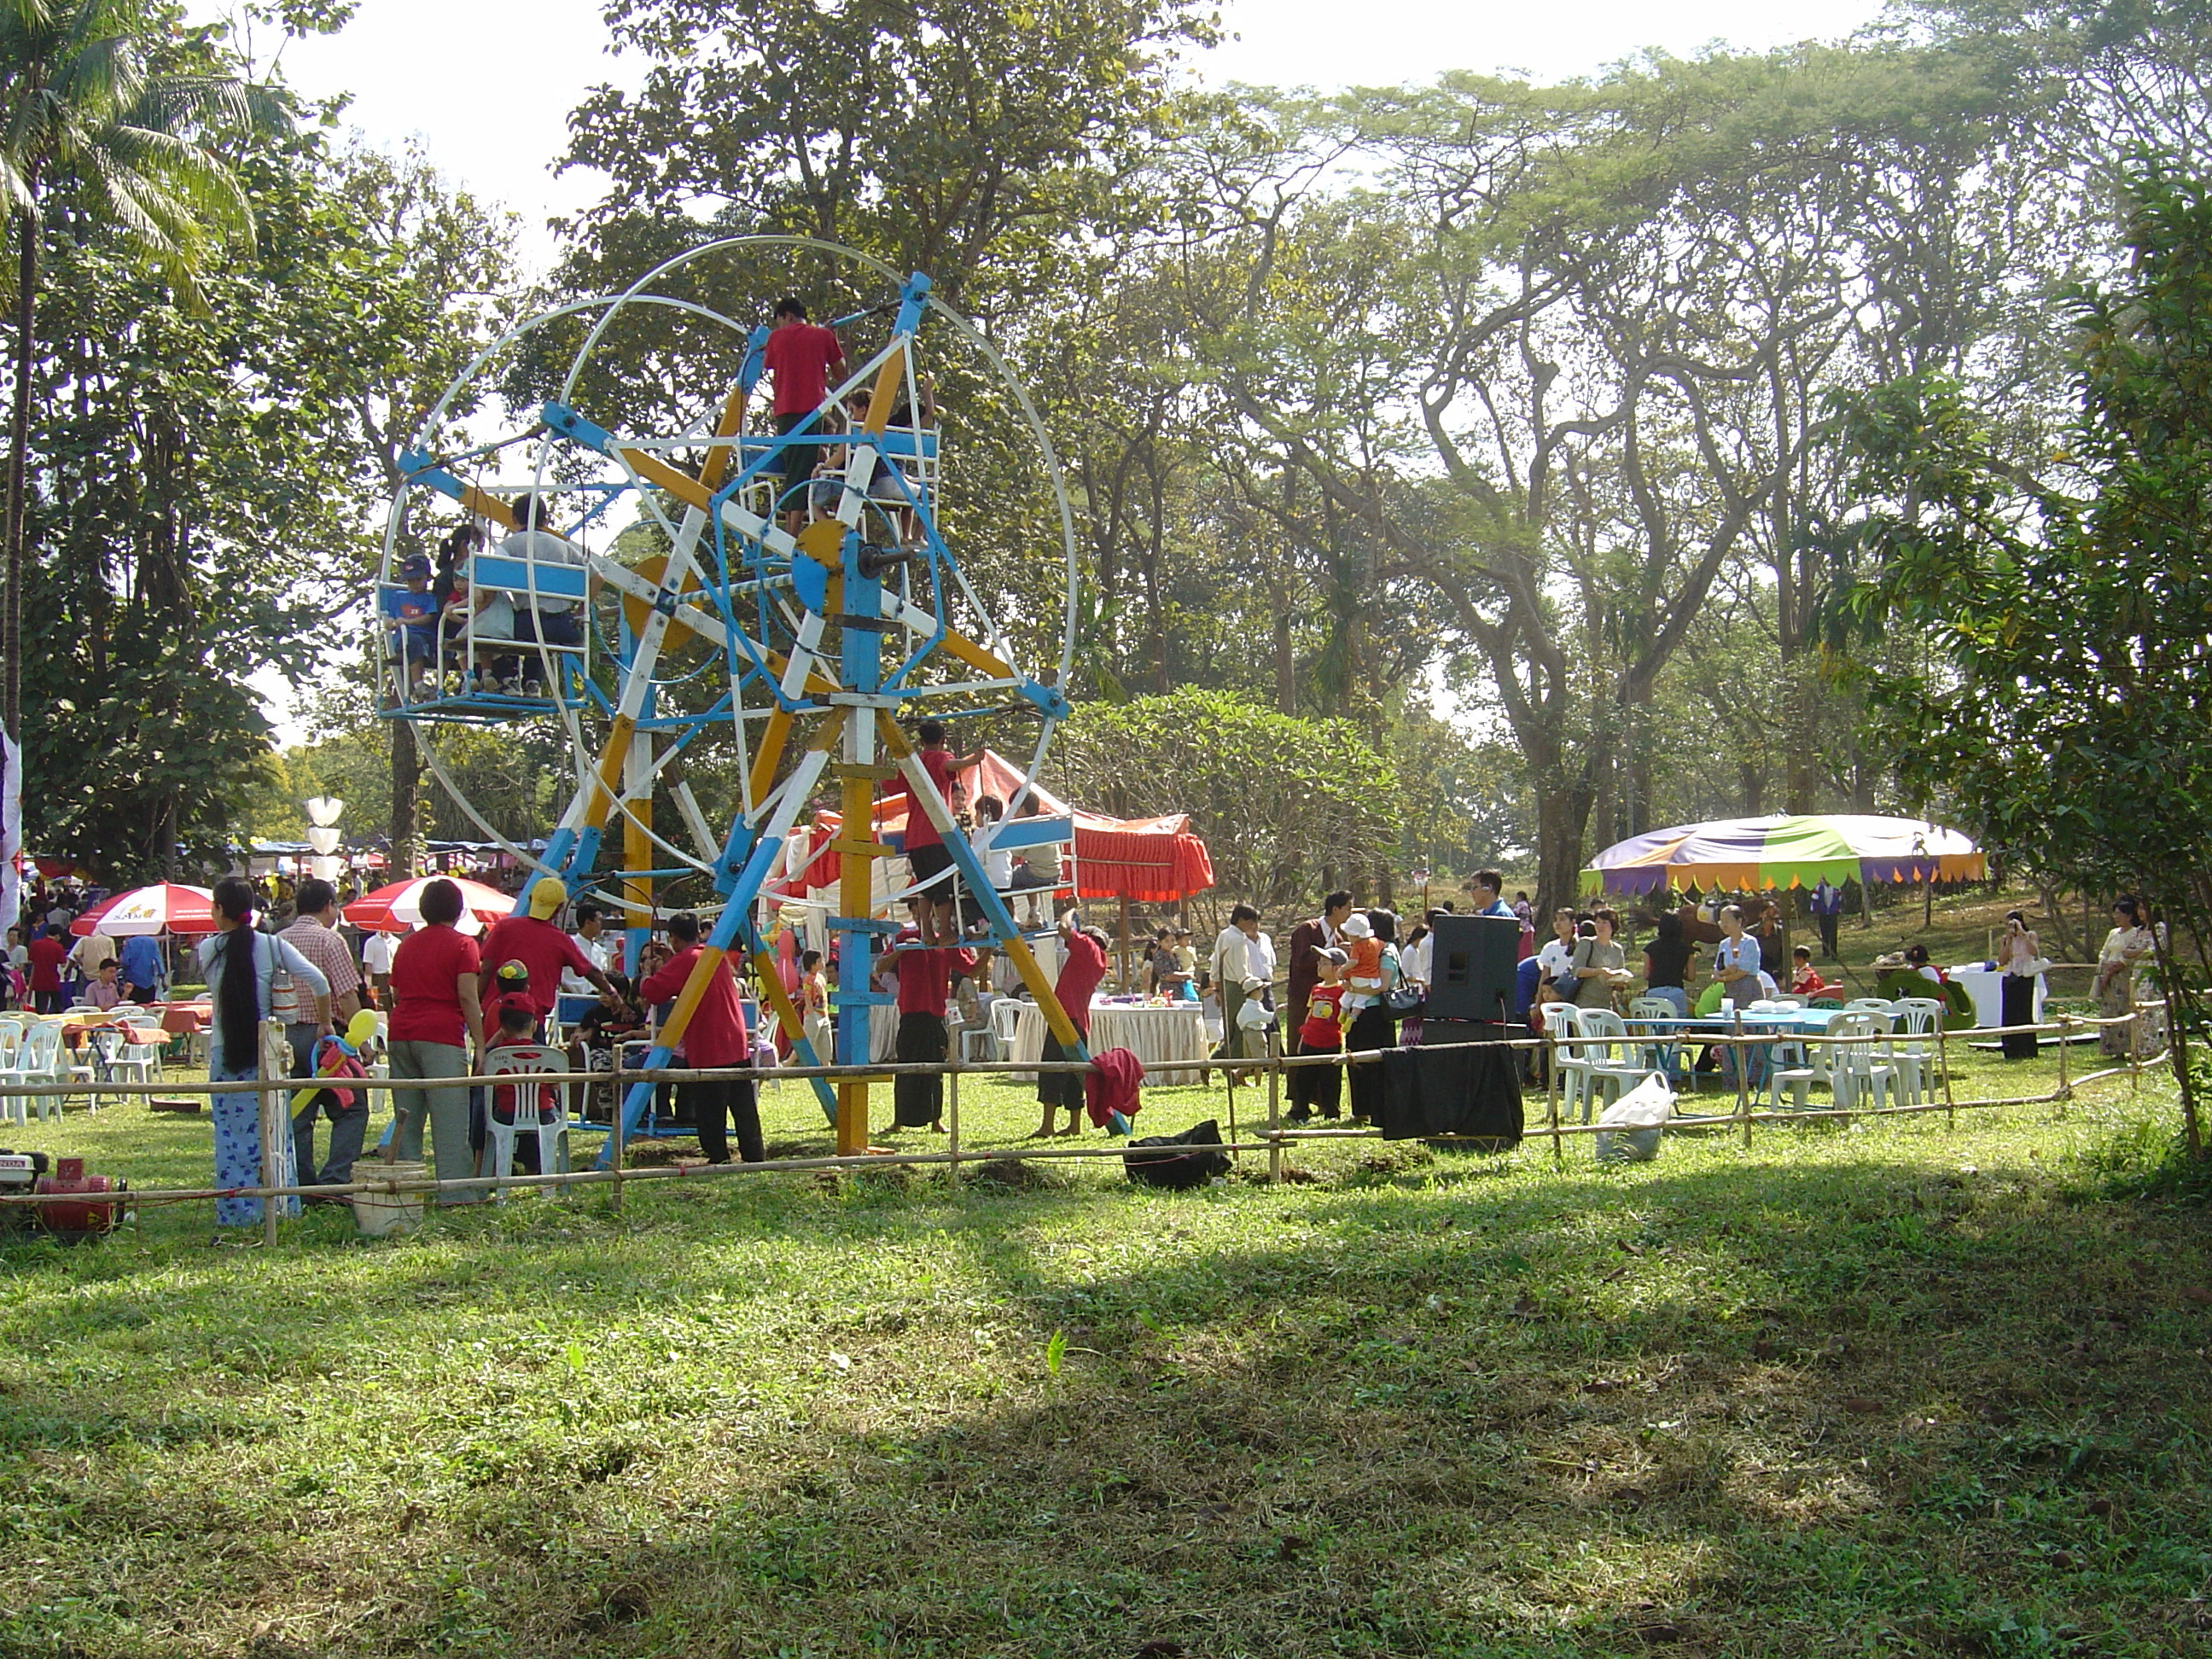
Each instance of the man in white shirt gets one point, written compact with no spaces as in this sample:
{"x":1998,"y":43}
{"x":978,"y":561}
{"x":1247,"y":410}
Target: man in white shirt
{"x":376,"y":963}
{"x":1244,"y":968}
{"x":591,"y":939}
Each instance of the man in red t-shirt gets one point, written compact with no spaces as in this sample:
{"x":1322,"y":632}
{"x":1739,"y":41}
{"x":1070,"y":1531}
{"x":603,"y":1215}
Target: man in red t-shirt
{"x":935,"y":913}
{"x":1082,"y":964}
{"x":542,"y":948}
{"x":48,"y":953}
{"x":801,"y":357}
{"x":925,"y":984}
{"x":715,"y":1037}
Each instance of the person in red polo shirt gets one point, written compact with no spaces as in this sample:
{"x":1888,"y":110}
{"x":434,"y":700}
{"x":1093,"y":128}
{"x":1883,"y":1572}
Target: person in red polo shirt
{"x":800,"y":356}
{"x":715,"y":1037}
{"x":925,"y":979}
{"x":542,"y":948}
{"x":1082,"y":964}
{"x":48,"y":953}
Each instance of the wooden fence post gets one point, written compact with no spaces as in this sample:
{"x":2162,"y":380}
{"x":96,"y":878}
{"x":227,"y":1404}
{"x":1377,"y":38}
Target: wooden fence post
{"x":1274,"y":1119}
{"x":1742,"y":1076}
{"x":265,"y":1099}
{"x":952,"y":1121}
{"x":1943,"y":1061}
{"x":1552,"y":1095}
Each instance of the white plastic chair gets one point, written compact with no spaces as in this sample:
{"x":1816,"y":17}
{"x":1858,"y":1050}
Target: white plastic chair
{"x":526,"y":1059}
{"x":38,"y":1063}
{"x":1602,"y":1040}
{"x":1793,"y":1067}
{"x":116,"y":1058}
{"x":1656,"y":1050}
{"x":1005,"y":1015}
{"x":1869,"y":1005}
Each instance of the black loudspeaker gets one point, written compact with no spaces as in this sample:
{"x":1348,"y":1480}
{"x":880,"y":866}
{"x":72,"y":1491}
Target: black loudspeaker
{"x":1471,"y":970}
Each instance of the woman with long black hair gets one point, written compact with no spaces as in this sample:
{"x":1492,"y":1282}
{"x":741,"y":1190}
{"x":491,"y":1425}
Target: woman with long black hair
{"x":242,"y":967}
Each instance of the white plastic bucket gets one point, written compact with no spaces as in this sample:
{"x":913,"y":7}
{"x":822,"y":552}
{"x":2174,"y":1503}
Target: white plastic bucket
{"x":379,"y":1215}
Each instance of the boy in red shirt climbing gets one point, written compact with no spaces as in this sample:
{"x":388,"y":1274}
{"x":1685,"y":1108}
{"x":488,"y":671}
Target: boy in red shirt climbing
{"x":936,"y":915}
{"x":802,"y":357}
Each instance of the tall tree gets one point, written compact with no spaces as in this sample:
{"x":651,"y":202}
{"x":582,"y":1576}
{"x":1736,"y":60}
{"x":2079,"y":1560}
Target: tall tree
{"x":84,"y":101}
{"x":2063,"y":609}
{"x":1533,"y":359}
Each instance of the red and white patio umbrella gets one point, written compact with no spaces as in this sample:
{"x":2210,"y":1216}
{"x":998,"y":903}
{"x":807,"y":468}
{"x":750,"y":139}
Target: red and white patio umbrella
{"x":398,"y":907}
{"x":167,"y":906}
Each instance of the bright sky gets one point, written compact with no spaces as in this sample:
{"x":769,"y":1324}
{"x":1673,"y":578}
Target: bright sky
{"x":485,"y":86}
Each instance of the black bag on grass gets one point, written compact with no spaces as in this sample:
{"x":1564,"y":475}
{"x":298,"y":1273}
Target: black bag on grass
{"x":1177,"y":1163}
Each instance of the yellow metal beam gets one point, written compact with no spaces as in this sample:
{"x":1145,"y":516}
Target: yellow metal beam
{"x":488,"y":507}
{"x":732,"y":423}
{"x":778,"y":1000}
{"x":682,"y":485}
{"x":855,"y":898}
{"x":605,"y":781}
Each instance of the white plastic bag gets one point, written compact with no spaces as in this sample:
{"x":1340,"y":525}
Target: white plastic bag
{"x":1628,"y":1131}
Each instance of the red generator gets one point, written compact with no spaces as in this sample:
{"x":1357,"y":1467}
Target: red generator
{"x":75,"y":1205}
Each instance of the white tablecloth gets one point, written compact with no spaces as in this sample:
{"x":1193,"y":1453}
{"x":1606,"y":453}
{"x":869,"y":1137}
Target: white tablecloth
{"x":1169,"y":1039}
{"x":1987,"y":990}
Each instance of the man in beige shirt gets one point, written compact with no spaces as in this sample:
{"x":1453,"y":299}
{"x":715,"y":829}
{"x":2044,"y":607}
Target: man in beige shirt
{"x":313,"y":935}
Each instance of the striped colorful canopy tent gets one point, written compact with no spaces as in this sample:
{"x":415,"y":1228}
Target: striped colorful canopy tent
{"x":1785,"y":851}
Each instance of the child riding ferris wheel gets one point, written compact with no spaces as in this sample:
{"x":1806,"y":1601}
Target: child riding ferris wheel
{"x":697,"y":591}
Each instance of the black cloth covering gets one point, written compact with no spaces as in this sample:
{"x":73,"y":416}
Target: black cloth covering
{"x":918,"y":1097}
{"x":1459,"y":1089}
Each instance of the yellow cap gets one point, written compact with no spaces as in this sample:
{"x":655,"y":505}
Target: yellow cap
{"x":546,"y":898}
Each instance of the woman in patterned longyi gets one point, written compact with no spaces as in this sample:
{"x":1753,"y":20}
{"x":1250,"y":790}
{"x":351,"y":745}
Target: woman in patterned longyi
{"x":242,"y":966}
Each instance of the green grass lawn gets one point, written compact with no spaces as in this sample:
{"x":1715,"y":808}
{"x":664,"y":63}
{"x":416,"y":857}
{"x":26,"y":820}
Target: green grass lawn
{"x":1882,"y":1388}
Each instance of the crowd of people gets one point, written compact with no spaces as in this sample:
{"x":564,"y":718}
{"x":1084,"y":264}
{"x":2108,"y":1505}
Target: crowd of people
{"x":1346,"y":979}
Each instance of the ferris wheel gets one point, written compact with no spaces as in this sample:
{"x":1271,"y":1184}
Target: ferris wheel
{"x":684,"y":596}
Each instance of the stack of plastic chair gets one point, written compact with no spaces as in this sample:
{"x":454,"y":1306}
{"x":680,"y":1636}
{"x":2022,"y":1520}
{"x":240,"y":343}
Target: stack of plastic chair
{"x":1562,"y":1022}
{"x":523,"y":1106}
{"x":1915,"y":1055}
{"x":1860,"y":1070}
